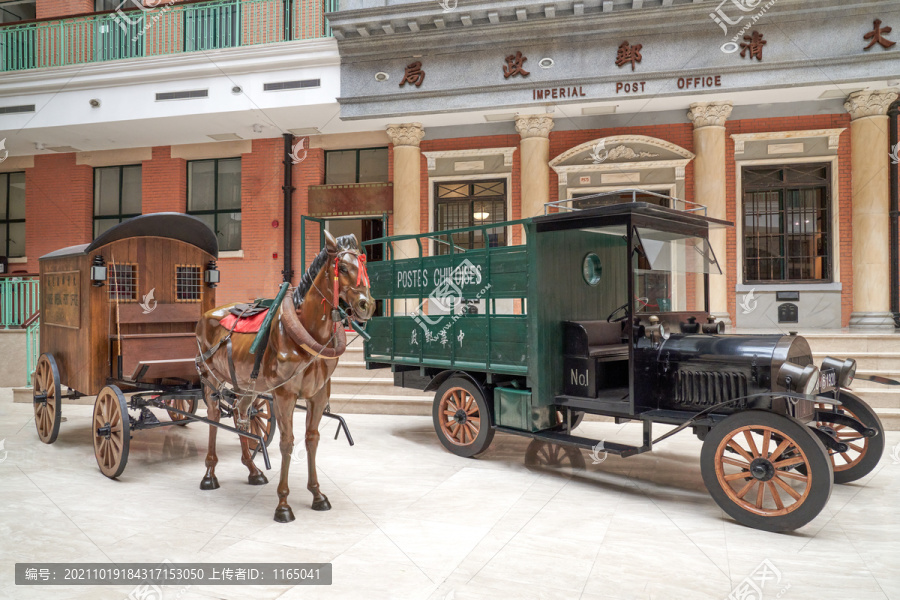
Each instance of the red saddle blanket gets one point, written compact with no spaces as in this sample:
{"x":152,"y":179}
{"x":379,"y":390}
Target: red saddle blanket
{"x":245,"y":325}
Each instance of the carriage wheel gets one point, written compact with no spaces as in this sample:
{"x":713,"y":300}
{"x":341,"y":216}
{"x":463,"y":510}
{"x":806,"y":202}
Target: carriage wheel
{"x":47,"y":395}
{"x":556,"y":458}
{"x":262,"y":419}
{"x":461,"y":417}
{"x":112,"y":431}
{"x":864,"y":452}
{"x":749,"y":463}
{"x":188,"y":405}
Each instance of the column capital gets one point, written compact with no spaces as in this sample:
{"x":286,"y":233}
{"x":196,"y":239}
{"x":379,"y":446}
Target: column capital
{"x":406,"y":134}
{"x":869,"y":103}
{"x":532,"y":126}
{"x":710,"y":114}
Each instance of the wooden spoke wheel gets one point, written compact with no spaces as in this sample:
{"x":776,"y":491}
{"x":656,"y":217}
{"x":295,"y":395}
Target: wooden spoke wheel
{"x":462,"y":419}
{"x":262,"y":420}
{"x":556,"y":458}
{"x":864,"y":452}
{"x":188,"y":405}
{"x":47,"y":396}
{"x":112,"y":431}
{"x":749,"y":463}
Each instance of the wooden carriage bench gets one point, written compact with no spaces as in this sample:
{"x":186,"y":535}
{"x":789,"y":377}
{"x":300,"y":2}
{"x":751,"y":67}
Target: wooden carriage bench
{"x":158,"y":344}
{"x":595,"y":357}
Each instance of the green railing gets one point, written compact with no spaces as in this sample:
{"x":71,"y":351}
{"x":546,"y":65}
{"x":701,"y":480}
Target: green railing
{"x":32,"y":346}
{"x":165,"y":29}
{"x":19,"y":300}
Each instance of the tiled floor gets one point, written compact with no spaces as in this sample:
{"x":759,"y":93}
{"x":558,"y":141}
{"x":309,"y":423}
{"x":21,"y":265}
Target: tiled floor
{"x":411,"y":521}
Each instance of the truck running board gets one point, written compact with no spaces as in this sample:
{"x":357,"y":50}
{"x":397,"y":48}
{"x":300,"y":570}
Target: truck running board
{"x":565,"y":439}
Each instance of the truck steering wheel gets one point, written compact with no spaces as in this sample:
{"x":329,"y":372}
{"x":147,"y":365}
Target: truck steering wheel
{"x":623,"y":309}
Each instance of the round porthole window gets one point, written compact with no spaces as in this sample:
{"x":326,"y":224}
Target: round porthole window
{"x":592,"y":269}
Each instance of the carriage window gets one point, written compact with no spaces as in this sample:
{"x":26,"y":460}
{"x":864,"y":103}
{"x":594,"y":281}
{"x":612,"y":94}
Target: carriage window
{"x":466,"y":204}
{"x":187,"y":283}
{"x":122,"y":282}
{"x":117,"y":196}
{"x":214,"y":197}
{"x":787,"y":218}
{"x":12,"y":214}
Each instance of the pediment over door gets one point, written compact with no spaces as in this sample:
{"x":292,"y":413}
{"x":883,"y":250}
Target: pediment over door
{"x":624,"y":160}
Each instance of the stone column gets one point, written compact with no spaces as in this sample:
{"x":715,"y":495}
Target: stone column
{"x":534,"y":152}
{"x":870,"y":174}
{"x":709,"y":189}
{"x":407,"y":197}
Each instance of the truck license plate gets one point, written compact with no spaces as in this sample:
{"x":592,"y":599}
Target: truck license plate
{"x":827,"y":381}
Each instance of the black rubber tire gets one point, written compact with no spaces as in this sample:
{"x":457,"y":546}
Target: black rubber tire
{"x":485,"y":433}
{"x":818,"y":462}
{"x":873,"y":447}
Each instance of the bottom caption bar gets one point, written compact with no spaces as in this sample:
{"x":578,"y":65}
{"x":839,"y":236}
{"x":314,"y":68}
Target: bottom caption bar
{"x":168,"y":573}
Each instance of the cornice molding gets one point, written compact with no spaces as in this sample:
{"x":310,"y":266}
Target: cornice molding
{"x":833,"y":135}
{"x":506,"y":152}
{"x":616,"y":140}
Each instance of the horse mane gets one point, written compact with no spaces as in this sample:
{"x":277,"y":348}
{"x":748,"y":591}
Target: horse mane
{"x":344,"y":242}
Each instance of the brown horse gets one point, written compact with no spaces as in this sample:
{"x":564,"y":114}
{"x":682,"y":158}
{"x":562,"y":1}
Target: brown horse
{"x":304,"y":345}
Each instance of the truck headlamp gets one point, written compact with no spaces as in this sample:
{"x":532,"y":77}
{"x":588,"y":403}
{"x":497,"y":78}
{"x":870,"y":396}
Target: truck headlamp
{"x":844,"y":370}
{"x":799,"y":379}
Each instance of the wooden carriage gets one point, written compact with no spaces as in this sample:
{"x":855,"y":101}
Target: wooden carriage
{"x":125,"y":306}
{"x":120,"y":315}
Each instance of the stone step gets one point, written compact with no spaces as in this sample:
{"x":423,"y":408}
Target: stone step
{"x":848,"y":345}
{"x":367,"y":386}
{"x":867,"y":361}
{"x":381,"y":404}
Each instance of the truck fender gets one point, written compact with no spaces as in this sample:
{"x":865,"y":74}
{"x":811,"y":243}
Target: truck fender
{"x":443,"y":376}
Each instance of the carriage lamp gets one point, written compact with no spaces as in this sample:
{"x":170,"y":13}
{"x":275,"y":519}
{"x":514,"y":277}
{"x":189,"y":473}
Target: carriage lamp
{"x":211,"y":276}
{"x":98,"y":271}
{"x":799,"y":379}
{"x":844,"y":370}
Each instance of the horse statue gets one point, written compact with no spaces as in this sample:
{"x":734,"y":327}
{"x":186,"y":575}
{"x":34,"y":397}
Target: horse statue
{"x":306,"y":338}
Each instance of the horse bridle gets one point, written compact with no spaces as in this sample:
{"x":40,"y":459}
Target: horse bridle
{"x":362,"y":279}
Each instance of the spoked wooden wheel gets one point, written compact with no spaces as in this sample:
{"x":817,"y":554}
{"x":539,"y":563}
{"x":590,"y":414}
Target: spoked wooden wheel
{"x":749,"y":464}
{"x":47,"y":396}
{"x":188,"y":405}
{"x":556,"y":458}
{"x":461,"y":417}
{"x":112,"y":431}
{"x":864,"y":452}
{"x":262,"y":419}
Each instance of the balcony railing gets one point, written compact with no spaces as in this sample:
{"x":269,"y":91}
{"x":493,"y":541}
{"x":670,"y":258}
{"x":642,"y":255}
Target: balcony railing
{"x":19,"y":299}
{"x":166,"y":29}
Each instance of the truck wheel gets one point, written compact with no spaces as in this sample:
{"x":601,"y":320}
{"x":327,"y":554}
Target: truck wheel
{"x":462,"y":419}
{"x":864,"y":452}
{"x":749,"y":464}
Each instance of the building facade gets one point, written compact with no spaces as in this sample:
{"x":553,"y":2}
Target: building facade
{"x":778,"y":116}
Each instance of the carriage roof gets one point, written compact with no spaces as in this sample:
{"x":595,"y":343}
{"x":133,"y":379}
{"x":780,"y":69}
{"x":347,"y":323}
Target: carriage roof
{"x":171,"y":225}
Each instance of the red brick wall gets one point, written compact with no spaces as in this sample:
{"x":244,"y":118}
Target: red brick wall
{"x":843,"y":247}
{"x":46,"y":9}
{"x":59,"y":206}
{"x":163,"y":182}
{"x":258,"y":273}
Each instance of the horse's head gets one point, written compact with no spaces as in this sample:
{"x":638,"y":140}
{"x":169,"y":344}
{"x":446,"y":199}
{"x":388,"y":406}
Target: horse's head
{"x":348,"y":262}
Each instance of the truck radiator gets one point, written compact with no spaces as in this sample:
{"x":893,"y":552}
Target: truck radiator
{"x":706,"y":388}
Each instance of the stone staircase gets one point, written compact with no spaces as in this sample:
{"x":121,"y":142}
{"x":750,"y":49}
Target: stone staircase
{"x":357,"y":390}
{"x":875,"y":354}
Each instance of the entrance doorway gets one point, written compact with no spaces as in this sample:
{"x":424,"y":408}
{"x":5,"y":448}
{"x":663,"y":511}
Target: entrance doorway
{"x":365,"y":229}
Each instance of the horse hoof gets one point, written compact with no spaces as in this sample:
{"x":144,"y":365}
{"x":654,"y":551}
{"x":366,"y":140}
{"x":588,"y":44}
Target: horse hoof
{"x":258,"y":479}
{"x":322,"y":504}
{"x":209,"y":483}
{"x":284,"y":514}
